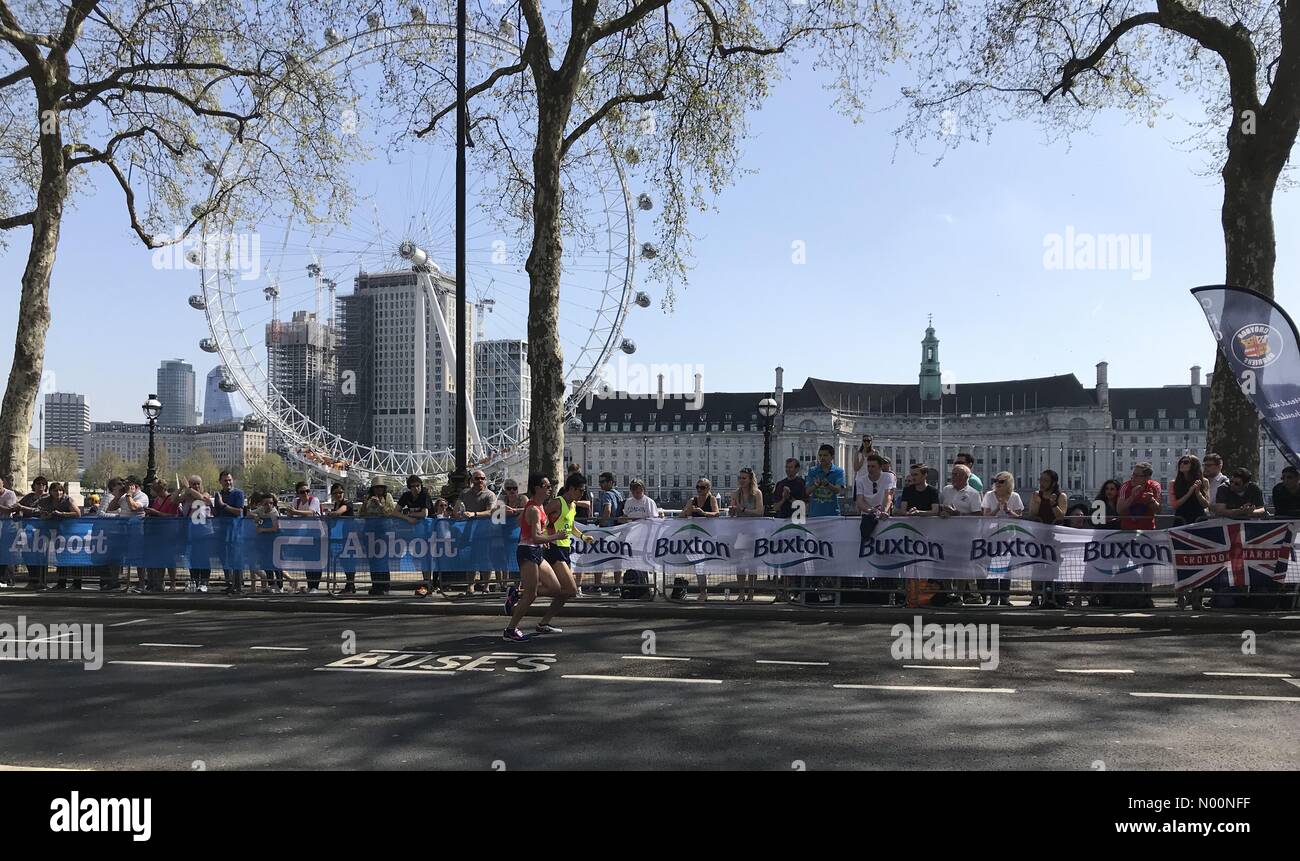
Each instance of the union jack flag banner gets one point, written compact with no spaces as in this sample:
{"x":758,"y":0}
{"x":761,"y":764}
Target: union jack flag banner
{"x":1236,"y":552}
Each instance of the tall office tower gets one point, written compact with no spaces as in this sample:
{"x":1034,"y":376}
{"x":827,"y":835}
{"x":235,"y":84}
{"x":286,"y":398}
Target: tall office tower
{"x":67,"y":421}
{"x":176,"y":391}
{"x":502,"y":387}
{"x":218,"y":406}
{"x":397,"y":384}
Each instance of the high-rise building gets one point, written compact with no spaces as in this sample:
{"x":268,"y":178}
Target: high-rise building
{"x":176,"y":392}
{"x":397,"y":385}
{"x":502,"y":387}
{"x":67,"y":420}
{"x":301,"y":364}
{"x":218,"y":406}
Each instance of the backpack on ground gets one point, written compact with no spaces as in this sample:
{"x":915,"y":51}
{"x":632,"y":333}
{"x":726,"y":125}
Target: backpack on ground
{"x":636,"y":584}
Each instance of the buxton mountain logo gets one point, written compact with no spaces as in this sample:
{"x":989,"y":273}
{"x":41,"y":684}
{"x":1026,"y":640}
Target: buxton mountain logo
{"x":1126,"y":553}
{"x":901,"y":549}
{"x":1008,"y":554}
{"x":1257,"y":345}
{"x":694,"y":543}
{"x":803,"y":543}
{"x":606,"y":547}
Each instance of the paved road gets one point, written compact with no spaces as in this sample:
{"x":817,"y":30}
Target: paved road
{"x":245,"y":690}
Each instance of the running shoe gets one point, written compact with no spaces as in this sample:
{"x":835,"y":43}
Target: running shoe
{"x":421,"y":591}
{"x":203,"y":588}
{"x":514,"y":635}
{"x":512,"y":598}
{"x":549,"y":629}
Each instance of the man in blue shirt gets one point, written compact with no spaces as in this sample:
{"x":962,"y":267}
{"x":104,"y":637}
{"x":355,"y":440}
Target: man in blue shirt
{"x":825,"y":483}
{"x":229,"y":503}
{"x":609,"y":505}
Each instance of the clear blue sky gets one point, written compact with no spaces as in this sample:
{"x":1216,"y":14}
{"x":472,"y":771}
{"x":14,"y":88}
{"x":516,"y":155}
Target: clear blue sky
{"x":889,"y":238}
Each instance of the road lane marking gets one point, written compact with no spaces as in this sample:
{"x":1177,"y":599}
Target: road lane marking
{"x":652,"y":658}
{"x":280,"y":648}
{"x":183,"y":612}
{"x":419,"y":652}
{"x":378,"y":670}
{"x":130,"y":622}
{"x":1217,"y":697}
{"x":644,"y":679}
{"x":1093,"y":671}
{"x":1253,"y":675}
{"x":174,"y":645}
{"x":935,"y":667}
{"x":798,"y":663}
{"x":928,"y":688}
{"x":1295,"y":682}
{"x":171,"y":664}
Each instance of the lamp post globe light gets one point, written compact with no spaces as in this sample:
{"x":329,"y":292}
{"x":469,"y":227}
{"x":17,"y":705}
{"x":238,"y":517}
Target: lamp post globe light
{"x":767,"y":410}
{"x":152,"y":409}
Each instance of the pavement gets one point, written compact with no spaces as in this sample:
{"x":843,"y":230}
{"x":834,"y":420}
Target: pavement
{"x":221,"y":687}
{"x":1163,"y":617}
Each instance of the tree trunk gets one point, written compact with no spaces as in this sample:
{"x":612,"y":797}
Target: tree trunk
{"x":1248,"y":184}
{"x":545,"y":358}
{"x":33,"y":310}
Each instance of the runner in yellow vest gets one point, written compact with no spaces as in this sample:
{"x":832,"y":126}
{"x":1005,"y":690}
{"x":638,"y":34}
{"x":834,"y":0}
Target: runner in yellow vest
{"x":561,"y":510}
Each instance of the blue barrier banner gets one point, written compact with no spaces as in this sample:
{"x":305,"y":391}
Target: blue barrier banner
{"x":348,"y":544}
{"x":1214,"y":552}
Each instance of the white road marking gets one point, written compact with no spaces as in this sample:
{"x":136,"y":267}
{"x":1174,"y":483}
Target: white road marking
{"x":1253,"y":675}
{"x":280,"y":648}
{"x":174,"y":645}
{"x":131,"y":622}
{"x":652,"y":658}
{"x":798,"y":663}
{"x":378,"y":670}
{"x":414,"y":652}
{"x":935,"y":667}
{"x":183,"y":612}
{"x":1091,"y":671}
{"x":171,"y":664}
{"x":928,"y":688}
{"x":1217,"y":697}
{"x":4,"y":767}
{"x":644,"y":679}
{"x":1295,"y":682}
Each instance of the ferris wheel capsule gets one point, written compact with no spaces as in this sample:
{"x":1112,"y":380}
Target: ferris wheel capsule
{"x":228,"y":385}
{"x":627,"y":345}
{"x":643,"y":202}
{"x":198,"y":303}
{"x":208,"y":345}
{"x":373,"y":21}
{"x":649,"y":251}
{"x":332,"y":36}
{"x":642,"y":299}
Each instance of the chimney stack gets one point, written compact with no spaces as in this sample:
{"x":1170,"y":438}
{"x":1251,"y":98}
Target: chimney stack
{"x":699,"y":378}
{"x":1196,"y":375}
{"x":659,"y":395}
{"x":1103,"y":387}
{"x":780,"y":390}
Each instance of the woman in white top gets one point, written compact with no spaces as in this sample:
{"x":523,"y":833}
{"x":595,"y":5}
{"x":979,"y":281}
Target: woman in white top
{"x":1002,"y":501}
{"x":748,"y":502}
{"x":638,"y":506}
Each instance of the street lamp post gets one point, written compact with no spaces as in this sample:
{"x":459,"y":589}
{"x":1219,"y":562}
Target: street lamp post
{"x":152,"y":408}
{"x":767,"y":409}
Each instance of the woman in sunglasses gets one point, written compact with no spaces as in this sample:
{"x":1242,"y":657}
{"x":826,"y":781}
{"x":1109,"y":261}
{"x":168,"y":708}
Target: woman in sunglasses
{"x":702,"y":504}
{"x":1191,"y":491}
{"x":535,"y":573}
{"x":1002,"y":501}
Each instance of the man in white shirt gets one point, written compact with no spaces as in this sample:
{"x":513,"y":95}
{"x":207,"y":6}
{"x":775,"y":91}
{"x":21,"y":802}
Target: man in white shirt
{"x":959,"y":497}
{"x":638,"y":506}
{"x":1212,"y":469}
{"x":8,"y":505}
{"x":874,"y":491}
{"x":132,"y":504}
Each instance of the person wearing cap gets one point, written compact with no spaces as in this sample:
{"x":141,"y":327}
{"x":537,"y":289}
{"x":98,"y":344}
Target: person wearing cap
{"x":379,"y":504}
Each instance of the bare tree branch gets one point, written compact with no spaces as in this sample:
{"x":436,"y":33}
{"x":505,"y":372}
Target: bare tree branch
{"x":482,"y":87}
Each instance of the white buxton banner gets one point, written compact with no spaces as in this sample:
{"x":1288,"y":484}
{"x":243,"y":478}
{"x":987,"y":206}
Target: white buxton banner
{"x":1231,"y":552}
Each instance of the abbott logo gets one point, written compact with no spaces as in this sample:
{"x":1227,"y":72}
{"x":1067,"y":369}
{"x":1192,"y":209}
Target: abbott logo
{"x":131,"y":815}
{"x":320,"y":541}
